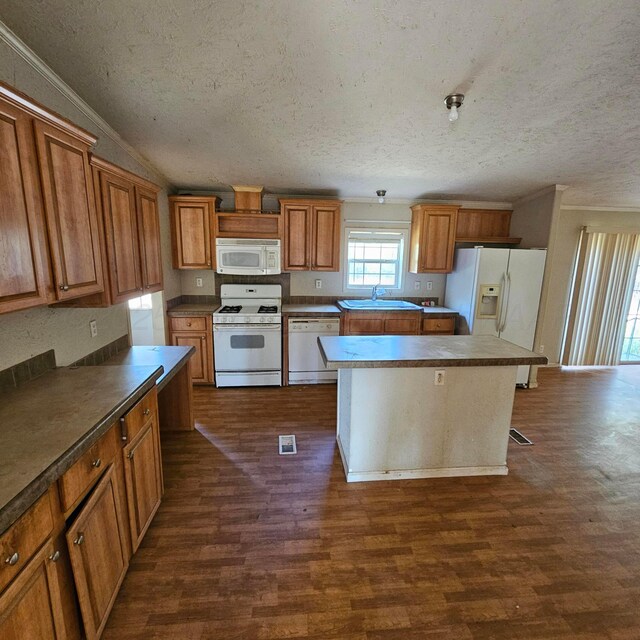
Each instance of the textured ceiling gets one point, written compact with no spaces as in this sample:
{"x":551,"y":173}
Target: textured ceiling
{"x":346,"y":96}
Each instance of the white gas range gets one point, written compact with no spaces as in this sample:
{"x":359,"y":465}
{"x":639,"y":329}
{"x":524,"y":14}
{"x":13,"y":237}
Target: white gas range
{"x":247,"y":336}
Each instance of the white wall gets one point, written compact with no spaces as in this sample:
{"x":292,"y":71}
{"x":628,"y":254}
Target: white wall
{"x":24,"y":334}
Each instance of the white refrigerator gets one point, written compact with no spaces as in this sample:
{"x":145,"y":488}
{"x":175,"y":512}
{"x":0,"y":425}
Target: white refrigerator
{"x":497,"y":292}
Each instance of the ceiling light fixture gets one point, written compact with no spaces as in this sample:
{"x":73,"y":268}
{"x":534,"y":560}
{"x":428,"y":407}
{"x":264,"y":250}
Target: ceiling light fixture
{"x":381,"y":193}
{"x":454,"y":102}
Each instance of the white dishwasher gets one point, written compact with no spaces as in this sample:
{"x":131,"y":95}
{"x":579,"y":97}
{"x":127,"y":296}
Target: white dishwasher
{"x":305,"y":362}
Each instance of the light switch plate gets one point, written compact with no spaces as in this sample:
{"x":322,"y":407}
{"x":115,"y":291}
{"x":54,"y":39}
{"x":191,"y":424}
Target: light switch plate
{"x":429,"y":285}
{"x":416,"y":285}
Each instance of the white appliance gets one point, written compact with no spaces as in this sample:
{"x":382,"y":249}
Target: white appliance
{"x":305,"y":362}
{"x":247,"y":336}
{"x":497,"y":292}
{"x":247,"y":257}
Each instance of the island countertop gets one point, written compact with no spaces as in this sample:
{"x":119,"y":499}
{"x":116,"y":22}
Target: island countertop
{"x":352,"y":352}
{"x":48,"y":423}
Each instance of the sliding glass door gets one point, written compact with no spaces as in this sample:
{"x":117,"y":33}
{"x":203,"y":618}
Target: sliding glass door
{"x":631,"y":342}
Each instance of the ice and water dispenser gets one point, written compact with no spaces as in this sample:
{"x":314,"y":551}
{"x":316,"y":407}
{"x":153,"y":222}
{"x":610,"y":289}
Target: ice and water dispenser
{"x":488,"y":298}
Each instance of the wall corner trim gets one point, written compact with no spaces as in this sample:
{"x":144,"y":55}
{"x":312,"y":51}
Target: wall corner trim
{"x":541,"y":192}
{"x":39,"y":65}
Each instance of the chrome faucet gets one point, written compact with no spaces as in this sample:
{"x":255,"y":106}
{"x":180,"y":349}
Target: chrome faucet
{"x":375,"y":293}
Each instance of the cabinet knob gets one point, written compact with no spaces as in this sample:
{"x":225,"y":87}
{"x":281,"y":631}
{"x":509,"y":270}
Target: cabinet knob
{"x":202,"y":337}
{"x":209,"y":263}
{"x":188,"y":324}
{"x":64,"y":287}
{"x":55,"y":556}
{"x":141,"y":289}
{"x":79,"y":540}
{"x":96,"y":463}
{"x":148,"y":286}
{"x":13,"y":559}
{"x":147,"y":412}
{"x":130,"y":455}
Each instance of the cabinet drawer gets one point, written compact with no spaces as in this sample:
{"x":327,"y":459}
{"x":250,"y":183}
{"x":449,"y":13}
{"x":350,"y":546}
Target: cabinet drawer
{"x":401,"y":326}
{"x":88,"y":469}
{"x":139,"y":415}
{"x":188,"y":324}
{"x":23,"y":539}
{"x":438,"y":325}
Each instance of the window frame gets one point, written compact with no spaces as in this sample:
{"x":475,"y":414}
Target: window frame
{"x":403,"y":235}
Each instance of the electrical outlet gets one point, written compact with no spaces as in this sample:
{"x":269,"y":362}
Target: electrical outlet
{"x":541,"y":349}
{"x":416,"y":285}
{"x":93,"y":327}
{"x":439,"y":378}
{"x":429,"y":285}
{"x":318,"y":284}
{"x":198,"y":282}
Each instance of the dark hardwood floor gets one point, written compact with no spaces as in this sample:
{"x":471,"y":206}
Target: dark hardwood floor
{"x":248,"y":544}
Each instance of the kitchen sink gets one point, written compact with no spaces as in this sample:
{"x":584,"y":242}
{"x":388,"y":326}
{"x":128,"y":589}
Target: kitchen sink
{"x":388,"y":305}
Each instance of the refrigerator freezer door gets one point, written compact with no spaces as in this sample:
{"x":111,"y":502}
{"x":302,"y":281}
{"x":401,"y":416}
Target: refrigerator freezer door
{"x":492,"y":267}
{"x":526,"y":269}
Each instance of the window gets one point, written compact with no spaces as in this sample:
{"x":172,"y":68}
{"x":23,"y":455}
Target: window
{"x":374,"y":257}
{"x":631,"y":343}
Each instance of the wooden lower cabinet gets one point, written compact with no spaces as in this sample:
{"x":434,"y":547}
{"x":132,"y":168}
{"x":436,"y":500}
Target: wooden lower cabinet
{"x":143,"y":479}
{"x":405,"y":323}
{"x":97,"y":546}
{"x":31,"y":607}
{"x":438,"y":326}
{"x":197,"y":332}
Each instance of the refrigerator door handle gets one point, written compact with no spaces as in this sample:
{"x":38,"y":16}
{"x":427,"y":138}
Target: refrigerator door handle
{"x":503,"y":286}
{"x":506,"y":303}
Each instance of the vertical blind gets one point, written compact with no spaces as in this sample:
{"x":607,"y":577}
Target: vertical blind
{"x":603,"y":285}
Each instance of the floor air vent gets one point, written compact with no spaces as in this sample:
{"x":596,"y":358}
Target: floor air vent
{"x":514,"y":434}
{"x":287,"y":445}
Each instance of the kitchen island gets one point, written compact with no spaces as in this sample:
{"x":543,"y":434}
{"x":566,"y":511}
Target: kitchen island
{"x":424,"y":406}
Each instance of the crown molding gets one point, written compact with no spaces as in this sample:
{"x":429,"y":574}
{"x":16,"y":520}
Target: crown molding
{"x":31,"y":57}
{"x":577,"y":207}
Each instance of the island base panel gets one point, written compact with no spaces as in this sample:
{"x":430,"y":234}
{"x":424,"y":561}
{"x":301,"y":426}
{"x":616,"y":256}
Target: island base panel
{"x":396,"y":424}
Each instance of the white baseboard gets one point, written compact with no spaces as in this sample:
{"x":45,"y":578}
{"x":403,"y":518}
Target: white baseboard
{"x":414,"y":474}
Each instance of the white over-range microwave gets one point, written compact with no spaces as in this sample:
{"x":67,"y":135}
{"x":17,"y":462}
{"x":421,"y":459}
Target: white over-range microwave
{"x":249,"y":257}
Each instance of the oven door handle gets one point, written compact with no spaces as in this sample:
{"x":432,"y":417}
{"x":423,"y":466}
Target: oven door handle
{"x":249,"y":327}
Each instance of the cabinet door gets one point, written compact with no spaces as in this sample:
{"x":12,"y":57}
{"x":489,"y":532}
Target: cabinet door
{"x":192,"y":239}
{"x":437,"y":241}
{"x":402,"y":326}
{"x":98,"y":553}
{"x":297,"y":237}
{"x":31,"y":606}
{"x":23,"y":254}
{"x":325,"y":238}
{"x":149,"y":235}
{"x":121,"y":235}
{"x":365,"y":325}
{"x":70,"y":211}
{"x":143,"y":479}
{"x":201,"y":364}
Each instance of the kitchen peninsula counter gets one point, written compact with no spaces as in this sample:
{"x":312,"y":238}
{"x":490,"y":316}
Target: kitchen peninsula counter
{"x":423,"y":406}
{"x":49,"y":423}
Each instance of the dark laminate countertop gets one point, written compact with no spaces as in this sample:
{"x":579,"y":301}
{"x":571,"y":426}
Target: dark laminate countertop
{"x":171,"y":359}
{"x":304,"y":310}
{"x":350,"y":352}
{"x":48,"y":423}
{"x":193,"y":310}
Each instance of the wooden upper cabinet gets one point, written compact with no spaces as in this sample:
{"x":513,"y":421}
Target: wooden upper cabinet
{"x":128,"y":207}
{"x":433,"y":237}
{"x":311,"y":235}
{"x":121,"y":236}
{"x":24,"y":273}
{"x":192,"y":226}
{"x":70,"y":210}
{"x":149,"y":235}
{"x":297,"y":237}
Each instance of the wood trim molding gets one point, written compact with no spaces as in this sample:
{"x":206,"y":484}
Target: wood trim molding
{"x":105,"y":165}
{"x":28,"y":55}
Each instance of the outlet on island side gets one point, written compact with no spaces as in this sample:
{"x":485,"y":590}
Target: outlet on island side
{"x":439,"y":378}
{"x":93,"y":327}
